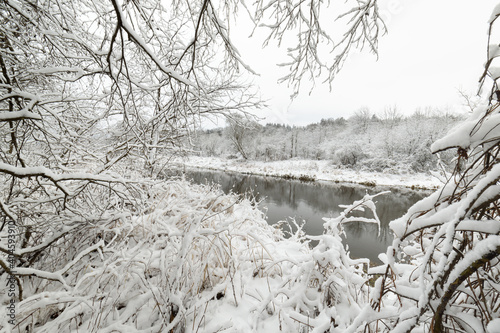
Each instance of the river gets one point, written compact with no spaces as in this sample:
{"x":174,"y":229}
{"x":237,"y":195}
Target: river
{"x":309,"y":202}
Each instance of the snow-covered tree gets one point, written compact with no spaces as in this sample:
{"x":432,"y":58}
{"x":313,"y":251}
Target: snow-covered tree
{"x":442,"y":272}
{"x":85,"y":85}
{"x":239,"y":131}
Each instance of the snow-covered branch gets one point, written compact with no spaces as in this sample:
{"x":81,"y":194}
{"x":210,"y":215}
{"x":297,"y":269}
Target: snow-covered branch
{"x":305,"y":20}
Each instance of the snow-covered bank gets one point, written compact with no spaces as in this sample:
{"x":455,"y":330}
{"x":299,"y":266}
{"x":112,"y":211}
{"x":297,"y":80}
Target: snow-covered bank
{"x":191,"y":260}
{"x":311,"y":169}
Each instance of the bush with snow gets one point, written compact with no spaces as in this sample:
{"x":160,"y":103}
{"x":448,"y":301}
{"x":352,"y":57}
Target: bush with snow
{"x":191,"y":260}
{"x":349,"y":156}
{"x":442,"y":271}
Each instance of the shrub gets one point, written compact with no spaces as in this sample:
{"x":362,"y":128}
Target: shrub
{"x":349,"y":156}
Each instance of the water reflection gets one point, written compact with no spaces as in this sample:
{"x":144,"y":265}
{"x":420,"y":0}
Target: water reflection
{"x":310,"y":202}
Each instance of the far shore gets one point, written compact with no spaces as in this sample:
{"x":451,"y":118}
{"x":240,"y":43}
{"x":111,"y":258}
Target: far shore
{"x":311,"y":170}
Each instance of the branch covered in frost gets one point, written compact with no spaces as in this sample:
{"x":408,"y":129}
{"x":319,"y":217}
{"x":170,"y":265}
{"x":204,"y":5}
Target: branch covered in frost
{"x":446,"y":250}
{"x":484,"y":252}
{"x":307,"y":20}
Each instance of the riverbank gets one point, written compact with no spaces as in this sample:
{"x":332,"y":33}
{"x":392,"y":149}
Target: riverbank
{"x":310,"y":170}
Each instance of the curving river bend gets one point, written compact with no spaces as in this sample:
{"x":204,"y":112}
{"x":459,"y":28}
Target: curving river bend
{"x":311,"y":201}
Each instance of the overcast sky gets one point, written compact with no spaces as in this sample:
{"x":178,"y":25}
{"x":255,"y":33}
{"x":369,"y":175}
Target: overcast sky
{"x":432,"y":49}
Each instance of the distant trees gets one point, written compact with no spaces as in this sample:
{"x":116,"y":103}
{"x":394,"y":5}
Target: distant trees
{"x":391,"y":116}
{"x":349,"y":155}
{"x":393,"y":143}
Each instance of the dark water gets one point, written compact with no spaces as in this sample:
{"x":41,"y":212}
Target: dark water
{"x":311,"y":201}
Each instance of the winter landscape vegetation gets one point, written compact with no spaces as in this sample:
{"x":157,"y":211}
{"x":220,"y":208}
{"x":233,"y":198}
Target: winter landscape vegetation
{"x":389,"y":144}
{"x":104,"y":107}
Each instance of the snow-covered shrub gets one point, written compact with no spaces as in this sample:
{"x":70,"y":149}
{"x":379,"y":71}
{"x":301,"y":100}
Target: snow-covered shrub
{"x":189,"y":259}
{"x":342,"y":280}
{"x":321,"y":289}
{"x":423,"y":160}
{"x":348,"y":156}
{"x":271,"y":153}
{"x":156,"y":269}
{"x":186,"y":259}
{"x":318,"y":154}
{"x":379,"y":165}
{"x":442,"y":272}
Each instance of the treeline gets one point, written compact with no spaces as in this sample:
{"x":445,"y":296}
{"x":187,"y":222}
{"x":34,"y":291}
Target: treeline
{"x":389,"y":142}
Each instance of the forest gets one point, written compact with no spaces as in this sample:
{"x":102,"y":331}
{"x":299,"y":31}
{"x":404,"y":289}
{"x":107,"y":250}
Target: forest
{"x":97,"y":96}
{"x":390,"y":142}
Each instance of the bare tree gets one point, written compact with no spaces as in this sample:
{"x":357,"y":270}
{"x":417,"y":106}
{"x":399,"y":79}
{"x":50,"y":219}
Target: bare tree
{"x":84,"y":86}
{"x":362,"y":118}
{"x":391,"y":116}
{"x":87,"y":85}
{"x":471,"y":102}
{"x":239,"y":131}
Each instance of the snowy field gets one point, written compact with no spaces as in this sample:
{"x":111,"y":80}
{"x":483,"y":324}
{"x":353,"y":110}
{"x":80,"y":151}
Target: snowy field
{"x":318,"y":170}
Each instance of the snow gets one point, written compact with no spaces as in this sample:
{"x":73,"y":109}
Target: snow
{"x":142,"y":43}
{"x":494,"y":14}
{"x":54,"y":237}
{"x":48,"y":173}
{"x":17,"y":115}
{"x":212,"y":257}
{"x":318,"y":170}
{"x":470,"y":133}
{"x":493,"y":51}
{"x":494,"y":325}
{"x":55,"y":70}
{"x":494,"y":72}
{"x":488,"y":227}
{"x":481,"y":248}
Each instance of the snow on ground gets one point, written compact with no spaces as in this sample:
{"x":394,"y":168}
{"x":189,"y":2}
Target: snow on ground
{"x":318,"y":170}
{"x":191,"y":260}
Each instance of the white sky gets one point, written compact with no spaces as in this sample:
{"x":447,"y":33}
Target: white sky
{"x":433,"y":48}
